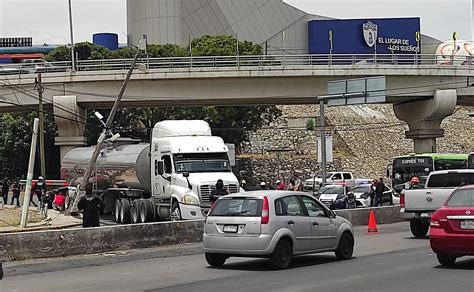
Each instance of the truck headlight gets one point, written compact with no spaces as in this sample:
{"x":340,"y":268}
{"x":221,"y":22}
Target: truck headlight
{"x":190,"y":200}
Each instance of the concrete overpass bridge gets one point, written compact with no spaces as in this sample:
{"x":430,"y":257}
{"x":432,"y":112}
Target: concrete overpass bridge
{"x":423,"y":89}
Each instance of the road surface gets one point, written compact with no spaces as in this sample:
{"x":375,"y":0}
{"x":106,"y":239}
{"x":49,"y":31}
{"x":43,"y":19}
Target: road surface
{"x":389,"y":261}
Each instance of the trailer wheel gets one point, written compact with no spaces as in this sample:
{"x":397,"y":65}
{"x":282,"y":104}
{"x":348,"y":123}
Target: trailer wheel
{"x":125,"y":211}
{"x":146,"y":211}
{"x":175,"y":212}
{"x":136,"y":211}
{"x":118,"y":208}
{"x":151,"y":210}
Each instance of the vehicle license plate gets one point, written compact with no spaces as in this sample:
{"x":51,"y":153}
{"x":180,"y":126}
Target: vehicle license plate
{"x":467,"y":224}
{"x":230,"y":228}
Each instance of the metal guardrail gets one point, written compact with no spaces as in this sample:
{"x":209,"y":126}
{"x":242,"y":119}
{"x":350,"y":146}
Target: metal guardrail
{"x":237,"y":62}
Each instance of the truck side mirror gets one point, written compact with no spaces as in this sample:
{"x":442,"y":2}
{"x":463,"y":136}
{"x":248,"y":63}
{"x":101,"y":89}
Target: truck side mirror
{"x":160,"y":167}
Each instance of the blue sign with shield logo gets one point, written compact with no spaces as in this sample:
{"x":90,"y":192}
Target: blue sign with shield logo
{"x":364,"y":36}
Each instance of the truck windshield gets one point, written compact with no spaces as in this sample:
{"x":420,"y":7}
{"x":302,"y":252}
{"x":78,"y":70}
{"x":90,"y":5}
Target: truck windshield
{"x":201,"y":162}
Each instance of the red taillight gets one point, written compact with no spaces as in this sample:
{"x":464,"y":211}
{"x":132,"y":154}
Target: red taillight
{"x":265,"y":212}
{"x":402,"y":200}
{"x":434,"y":222}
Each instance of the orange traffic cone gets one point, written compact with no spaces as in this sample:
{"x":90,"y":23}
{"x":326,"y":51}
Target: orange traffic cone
{"x":372,"y":223}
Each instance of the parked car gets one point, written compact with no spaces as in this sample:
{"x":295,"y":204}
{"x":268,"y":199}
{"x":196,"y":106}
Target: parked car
{"x":333,"y":177}
{"x":361,"y":193}
{"x":318,"y":193}
{"x":275,"y":225}
{"x":452,"y":227}
{"x":338,"y":197}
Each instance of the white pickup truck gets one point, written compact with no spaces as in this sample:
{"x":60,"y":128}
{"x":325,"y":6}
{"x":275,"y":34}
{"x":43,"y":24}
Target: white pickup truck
{"x":333,"y":177}
{"x":419,"y":204}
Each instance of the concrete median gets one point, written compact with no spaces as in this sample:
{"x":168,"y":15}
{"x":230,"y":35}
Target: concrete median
{"x":58,"y":243}
{"x":383,"y":215}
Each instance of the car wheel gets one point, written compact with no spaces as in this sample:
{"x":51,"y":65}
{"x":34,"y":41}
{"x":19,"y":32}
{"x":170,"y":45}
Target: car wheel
{"x":281,"y":256}
{"x":215,"y":259}
{"x":419,"y":228}
{"x":118,"y":207}
{"x":175,"y":212}
{"x":125,"y":211}
{"x":346,"y":247}
{"x":446,"y":259}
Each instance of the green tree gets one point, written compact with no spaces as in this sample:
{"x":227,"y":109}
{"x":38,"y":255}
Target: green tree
{"x":83,"y":50}
{"x":222,"y":45}
{"x":15,"y":141}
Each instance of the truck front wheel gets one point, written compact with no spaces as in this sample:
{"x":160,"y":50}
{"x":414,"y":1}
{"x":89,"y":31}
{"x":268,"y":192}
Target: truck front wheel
{"x":175,"y":212}
{"x":419,"y":228}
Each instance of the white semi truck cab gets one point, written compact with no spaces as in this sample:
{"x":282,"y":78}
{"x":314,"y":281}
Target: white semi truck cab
{"x":169,"y":179}
{"x":186,"y":163}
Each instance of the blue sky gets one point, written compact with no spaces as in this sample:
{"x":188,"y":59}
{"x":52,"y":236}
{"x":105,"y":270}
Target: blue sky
{"x":47,"y":20}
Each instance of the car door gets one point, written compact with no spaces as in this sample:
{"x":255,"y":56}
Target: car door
{"x":292,"y":215}
{"x":324,"y":231}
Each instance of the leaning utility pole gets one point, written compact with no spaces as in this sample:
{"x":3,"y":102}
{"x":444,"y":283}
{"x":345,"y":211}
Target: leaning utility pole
{"x":29,"y":176}
{"x":39,"y":87}
{"x":101,"y":139}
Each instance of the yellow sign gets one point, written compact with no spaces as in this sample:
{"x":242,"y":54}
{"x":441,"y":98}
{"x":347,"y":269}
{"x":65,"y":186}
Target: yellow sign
{"x":455,"y":36}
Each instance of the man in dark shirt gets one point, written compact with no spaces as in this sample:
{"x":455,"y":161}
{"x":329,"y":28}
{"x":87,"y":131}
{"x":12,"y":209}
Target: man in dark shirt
{"x":379,"y":188}
{"x":91,"y":206}
{"x":5,"y":189}
{"x":219,"y":191}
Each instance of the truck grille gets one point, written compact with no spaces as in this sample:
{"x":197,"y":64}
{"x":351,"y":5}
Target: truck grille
{"x":205,"y":192}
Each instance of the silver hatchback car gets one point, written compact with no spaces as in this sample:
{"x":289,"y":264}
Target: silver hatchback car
{"x":274,"y":224}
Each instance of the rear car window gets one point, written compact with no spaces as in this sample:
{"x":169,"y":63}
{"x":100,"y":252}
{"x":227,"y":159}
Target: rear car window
{"x":462,"y":198}
{"x":450,"y":180}
{"x":242,"y":207}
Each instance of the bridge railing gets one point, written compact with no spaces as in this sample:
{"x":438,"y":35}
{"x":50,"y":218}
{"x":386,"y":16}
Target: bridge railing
{"x":236,"y":62}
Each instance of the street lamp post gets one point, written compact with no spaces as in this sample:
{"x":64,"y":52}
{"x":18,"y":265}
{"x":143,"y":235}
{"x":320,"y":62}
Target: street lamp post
{"x":73,"y":63}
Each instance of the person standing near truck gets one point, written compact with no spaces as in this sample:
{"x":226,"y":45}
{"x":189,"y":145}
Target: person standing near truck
{"x":219,"y":191}
{"x":91,"y":206}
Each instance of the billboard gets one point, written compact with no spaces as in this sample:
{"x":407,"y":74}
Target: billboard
{"x":364,"y":36}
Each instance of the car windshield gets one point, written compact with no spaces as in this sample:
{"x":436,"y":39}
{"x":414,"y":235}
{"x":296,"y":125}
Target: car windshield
{"x":464,"y":197}
{"x":201,"y":162}
{"x":241,"y":207}
{"x":335,"y":190}
{"x":361,"y":189}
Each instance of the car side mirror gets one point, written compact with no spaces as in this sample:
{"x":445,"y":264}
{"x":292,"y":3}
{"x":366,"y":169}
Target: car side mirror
{"x":160,"y":167}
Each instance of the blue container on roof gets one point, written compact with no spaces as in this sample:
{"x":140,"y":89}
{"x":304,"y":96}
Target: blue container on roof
{"x":364,"y":36}
{"x":108,"y":40}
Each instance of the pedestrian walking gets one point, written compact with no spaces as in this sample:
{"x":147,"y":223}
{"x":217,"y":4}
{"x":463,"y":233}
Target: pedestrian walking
{"x":280,"y":186}
{"x":40,"y":188}
{"x":263,"y":185}
{"x":379,"y":191}
{"x":5,"y":190}
{"x":91,"y":206}
{"x":218,"y":192}
{"x":373,"y":187}
{"x":298,"y":185}
{"x":16,"y":192}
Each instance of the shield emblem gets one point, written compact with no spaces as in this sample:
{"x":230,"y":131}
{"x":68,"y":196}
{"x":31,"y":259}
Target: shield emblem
{"x":370,"y":33}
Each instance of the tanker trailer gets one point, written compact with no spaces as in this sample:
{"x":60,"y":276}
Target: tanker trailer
{"x":172,"y":180}
{"x":122,"y":173}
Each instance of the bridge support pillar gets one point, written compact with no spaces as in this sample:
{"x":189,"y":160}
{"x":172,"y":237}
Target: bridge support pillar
{"x":70,"y":120}
{"x":424,"y":118}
